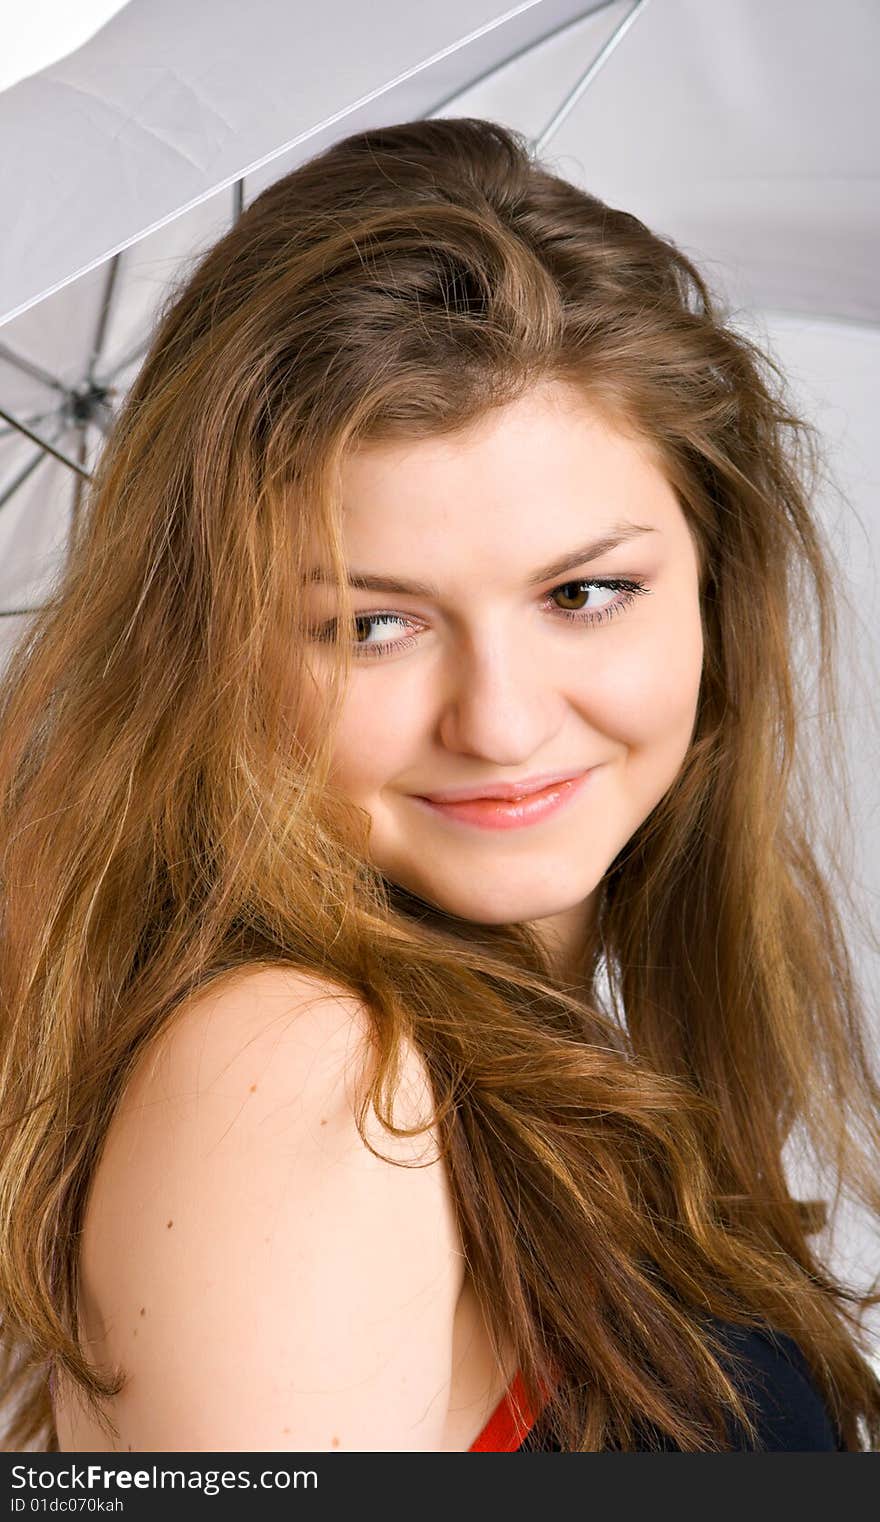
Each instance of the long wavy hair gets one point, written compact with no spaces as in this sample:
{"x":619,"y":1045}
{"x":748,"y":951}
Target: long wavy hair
{"x":615,"y":1142}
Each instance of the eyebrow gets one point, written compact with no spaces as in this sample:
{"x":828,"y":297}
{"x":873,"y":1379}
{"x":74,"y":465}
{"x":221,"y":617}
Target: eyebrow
{"x":617,"y":533}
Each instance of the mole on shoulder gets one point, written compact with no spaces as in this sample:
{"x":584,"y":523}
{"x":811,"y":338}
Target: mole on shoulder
{"x":170,"y":1223}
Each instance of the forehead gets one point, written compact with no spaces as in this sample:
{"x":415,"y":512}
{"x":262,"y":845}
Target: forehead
{"x":528,"y":479}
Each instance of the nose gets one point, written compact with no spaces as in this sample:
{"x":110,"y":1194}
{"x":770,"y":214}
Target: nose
{"x":500,"y":701}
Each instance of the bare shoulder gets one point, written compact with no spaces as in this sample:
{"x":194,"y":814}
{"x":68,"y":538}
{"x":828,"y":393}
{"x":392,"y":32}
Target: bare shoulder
{"x":264,"y":1279}
{"x":273,"y":1038}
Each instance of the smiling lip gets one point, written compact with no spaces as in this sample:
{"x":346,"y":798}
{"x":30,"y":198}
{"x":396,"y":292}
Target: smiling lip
{"x":509,"y":791}
{"x":511,"y":814}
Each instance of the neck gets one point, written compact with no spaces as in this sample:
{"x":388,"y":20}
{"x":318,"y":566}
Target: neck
{"x":567,"y":937}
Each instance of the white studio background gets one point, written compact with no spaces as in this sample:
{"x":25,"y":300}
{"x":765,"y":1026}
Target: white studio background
{"x":45,"y":30}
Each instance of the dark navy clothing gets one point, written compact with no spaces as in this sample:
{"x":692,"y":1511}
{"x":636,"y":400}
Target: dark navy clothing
{"x":788,"y":1411}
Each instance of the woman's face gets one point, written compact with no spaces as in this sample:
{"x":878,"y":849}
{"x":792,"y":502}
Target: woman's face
{"x":514,"y":662}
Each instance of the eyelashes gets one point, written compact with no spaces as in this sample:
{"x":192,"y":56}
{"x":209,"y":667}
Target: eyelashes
{"x":626,"y":590}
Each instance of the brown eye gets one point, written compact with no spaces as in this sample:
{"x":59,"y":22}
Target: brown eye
{"x":569,"y":598}
{"x":572,"y":593}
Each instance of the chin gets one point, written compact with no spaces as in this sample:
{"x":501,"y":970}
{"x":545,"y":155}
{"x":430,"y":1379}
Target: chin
{"x":496,"y":908}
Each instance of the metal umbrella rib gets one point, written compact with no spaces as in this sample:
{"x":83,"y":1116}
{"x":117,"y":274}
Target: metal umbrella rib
{"x":44,"y":443}
{"x":586,"y":79}
{"x":43,"y":453}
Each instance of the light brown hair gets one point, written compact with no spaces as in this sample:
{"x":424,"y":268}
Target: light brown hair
{"x":166,"y":817}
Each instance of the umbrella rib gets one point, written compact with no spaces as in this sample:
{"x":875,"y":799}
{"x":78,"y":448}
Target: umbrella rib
{"x":35,"y":417}
{"x":22,"y":476}
{"x":104,"y":314}
{"x":32,"y":369}
{"x":586,"y":79}
{"x":77,"y":493}
{"x":527,"y":47}
{"x":44,"y":443}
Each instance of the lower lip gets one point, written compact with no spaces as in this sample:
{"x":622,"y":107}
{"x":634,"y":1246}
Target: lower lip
{"x":500,"y":814}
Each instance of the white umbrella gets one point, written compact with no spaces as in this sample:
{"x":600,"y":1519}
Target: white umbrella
{"x":746,"y":131}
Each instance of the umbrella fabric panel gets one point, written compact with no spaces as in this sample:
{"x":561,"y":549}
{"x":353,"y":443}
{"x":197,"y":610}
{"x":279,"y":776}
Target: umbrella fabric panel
{"x":169,"y":102}
{"x":750,"y":133}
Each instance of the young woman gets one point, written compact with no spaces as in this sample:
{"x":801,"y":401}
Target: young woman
{"x":416,"y":958}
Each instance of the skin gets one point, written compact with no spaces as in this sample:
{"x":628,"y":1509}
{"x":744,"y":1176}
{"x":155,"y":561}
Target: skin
{"x":498,"y":684}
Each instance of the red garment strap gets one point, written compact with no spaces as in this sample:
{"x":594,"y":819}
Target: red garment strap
{"x":509,"y":1423}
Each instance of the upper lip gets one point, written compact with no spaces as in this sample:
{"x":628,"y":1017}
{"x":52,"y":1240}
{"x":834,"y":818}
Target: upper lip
{"x":508,"y":790}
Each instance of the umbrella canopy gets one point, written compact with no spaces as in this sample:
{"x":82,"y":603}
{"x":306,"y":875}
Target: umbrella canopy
{"x":747,"y":132}
{"x":751,"y":128}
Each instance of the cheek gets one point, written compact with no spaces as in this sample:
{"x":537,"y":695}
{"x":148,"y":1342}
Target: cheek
{"x":379,"y":723}
{"x":649,"y":687}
